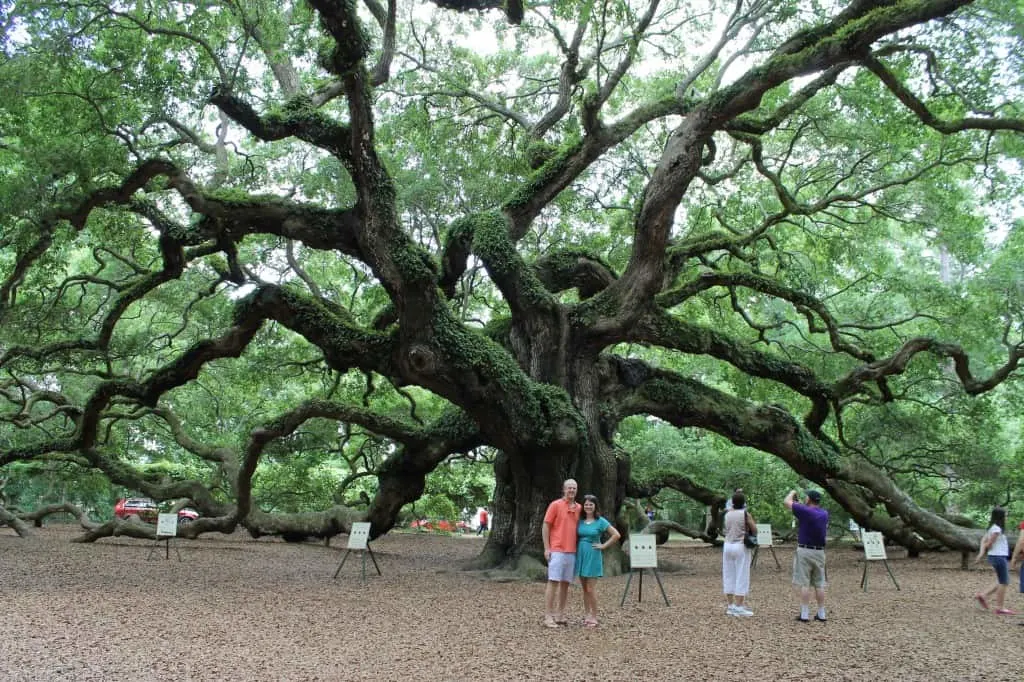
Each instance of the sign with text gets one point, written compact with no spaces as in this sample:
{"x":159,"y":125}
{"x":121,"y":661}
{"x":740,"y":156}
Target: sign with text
{"x":643,"y":551}
{"x":874,"y":545}
{"x":166,"y":525}
{"x":359,"y":535}
{"x":764,"y":535}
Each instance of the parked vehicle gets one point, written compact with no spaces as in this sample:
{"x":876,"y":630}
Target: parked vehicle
{"x":145,"y":509}
{"x":141,"y":508}
{"x":441,"y":526}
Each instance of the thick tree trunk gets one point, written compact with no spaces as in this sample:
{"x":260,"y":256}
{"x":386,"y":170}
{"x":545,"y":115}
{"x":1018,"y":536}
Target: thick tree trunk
{"x":526,"y":483}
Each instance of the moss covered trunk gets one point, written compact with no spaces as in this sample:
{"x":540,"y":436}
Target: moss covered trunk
{"x":527,"y":482}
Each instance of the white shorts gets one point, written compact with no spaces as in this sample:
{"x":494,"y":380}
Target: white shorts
{"x":561,"y":567}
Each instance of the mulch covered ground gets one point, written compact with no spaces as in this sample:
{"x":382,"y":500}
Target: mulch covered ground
{"x":241,"y":609}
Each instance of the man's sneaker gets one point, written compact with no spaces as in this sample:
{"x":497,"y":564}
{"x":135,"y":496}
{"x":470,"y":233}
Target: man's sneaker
{"x":742,"y":611}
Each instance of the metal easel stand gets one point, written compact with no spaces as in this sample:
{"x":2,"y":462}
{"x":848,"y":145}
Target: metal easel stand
{"x":640,"y":587}
{"x":864,"y":577}
{"x":364,"y":553}
{"x":757,"y":550}
{"x":167,"y":548}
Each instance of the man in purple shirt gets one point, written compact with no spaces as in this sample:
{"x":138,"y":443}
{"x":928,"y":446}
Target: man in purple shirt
{"x":809,"y":563}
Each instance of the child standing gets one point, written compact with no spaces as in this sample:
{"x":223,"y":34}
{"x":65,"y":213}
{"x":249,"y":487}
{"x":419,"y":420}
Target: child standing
{"x":994,"y":543}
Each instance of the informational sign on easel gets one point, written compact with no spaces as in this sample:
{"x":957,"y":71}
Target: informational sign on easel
{"x":874,"y":546}
{"x":874,"y":550}
{"x":643,"y":554}
{"x":643,"y":551}
{"x":765,"y":539}
{"x":359,"y":541}
{"x":167,"y":525}
{"x":166,"y":528}
{"x":359,"y":537}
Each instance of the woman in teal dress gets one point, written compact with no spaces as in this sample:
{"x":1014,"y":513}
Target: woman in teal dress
{"x":589,"y":554}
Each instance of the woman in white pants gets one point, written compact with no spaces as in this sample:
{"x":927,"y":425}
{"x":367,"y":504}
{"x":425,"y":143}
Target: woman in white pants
{"x":736,"y":556}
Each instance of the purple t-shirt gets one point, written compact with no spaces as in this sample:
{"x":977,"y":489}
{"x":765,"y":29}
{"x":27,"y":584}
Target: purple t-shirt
{"x":812,"y":524}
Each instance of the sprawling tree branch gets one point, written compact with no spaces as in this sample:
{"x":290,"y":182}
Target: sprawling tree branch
{"x":770,"y":428}
{"x":921,"y":110}
{"x":897,"y":363}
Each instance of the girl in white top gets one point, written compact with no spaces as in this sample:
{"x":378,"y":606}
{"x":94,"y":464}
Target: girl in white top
{"x":998,"y":549}
{"x":736,"y":557}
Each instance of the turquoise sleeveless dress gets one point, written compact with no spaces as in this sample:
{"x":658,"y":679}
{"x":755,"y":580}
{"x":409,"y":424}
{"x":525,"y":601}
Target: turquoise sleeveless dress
{"x":589,"y":561}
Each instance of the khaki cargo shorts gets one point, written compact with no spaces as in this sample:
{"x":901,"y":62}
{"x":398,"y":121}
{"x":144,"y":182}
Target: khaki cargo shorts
{"x":809,"y":567}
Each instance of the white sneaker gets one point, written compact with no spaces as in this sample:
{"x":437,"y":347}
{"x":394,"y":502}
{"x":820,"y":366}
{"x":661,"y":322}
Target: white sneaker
{"x":730,"y":610}
{"x":742,"y":611}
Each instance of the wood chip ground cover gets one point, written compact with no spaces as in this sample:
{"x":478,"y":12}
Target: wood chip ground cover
{"x":243,"y":609}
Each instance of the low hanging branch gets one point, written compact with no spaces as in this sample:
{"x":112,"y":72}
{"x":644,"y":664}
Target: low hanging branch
{"x":18,"y":521}
{"x":19,"y":526}
{"x":116,"y":528}
{"x":715,"y":500}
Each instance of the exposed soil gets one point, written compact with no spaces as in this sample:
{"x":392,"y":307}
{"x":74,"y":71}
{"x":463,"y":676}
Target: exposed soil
{"x":241,"y":609}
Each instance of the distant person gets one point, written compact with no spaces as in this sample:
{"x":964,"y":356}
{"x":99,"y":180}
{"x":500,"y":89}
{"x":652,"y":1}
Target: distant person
{"x":994,"y":544}
{"x":483,"y":521}
{"x":590,"y":554}
{"x":1018,"y":554}
{"x":1018,"y":557}
{"x":728,"y":500}
{"x":649,"y":513}
{"x":809,"y":562}
{"x":559,"y":534}
{"x":736,"y":556}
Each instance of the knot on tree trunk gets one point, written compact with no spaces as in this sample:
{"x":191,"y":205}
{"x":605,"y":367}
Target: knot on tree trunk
{"x":422,"y":360}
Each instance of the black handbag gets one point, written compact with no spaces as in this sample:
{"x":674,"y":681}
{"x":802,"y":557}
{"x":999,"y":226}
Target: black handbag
{"x":749,"y":539}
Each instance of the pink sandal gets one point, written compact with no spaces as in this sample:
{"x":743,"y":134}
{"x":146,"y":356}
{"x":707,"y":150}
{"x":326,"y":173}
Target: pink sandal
{"x":590,"y":622}
{"x":1005,"y":612}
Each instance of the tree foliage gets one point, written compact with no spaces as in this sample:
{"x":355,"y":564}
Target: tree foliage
{"x":305,"y":253}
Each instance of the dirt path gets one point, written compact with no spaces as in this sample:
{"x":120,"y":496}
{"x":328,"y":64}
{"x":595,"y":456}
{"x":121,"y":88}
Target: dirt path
{"x":238,"y":609}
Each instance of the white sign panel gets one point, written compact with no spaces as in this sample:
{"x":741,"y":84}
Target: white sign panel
{"x":166,"y":525}
{"x":874,"y":545}
{"x":643,"y":551}
{"x":359,"y":535}
{"x":764,"y":535}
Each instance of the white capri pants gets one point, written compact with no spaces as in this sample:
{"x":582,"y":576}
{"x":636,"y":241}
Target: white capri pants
{"x":735,"y":569}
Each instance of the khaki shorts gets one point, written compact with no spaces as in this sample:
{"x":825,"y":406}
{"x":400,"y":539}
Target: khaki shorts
{"x":809,"y":567}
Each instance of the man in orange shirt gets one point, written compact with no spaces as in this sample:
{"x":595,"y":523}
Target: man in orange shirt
{"x":483,"y":521}
{"x":559,"y":534}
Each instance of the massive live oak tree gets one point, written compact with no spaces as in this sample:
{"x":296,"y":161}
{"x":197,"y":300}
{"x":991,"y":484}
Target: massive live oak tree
{"x":461,"y":227}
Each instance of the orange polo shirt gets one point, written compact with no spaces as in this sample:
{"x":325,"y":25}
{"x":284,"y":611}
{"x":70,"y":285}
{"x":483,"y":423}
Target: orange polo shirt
{"x":562,"y":522}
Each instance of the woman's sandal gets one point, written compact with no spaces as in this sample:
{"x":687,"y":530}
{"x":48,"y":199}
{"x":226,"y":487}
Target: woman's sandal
{"x":590,"y":622}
